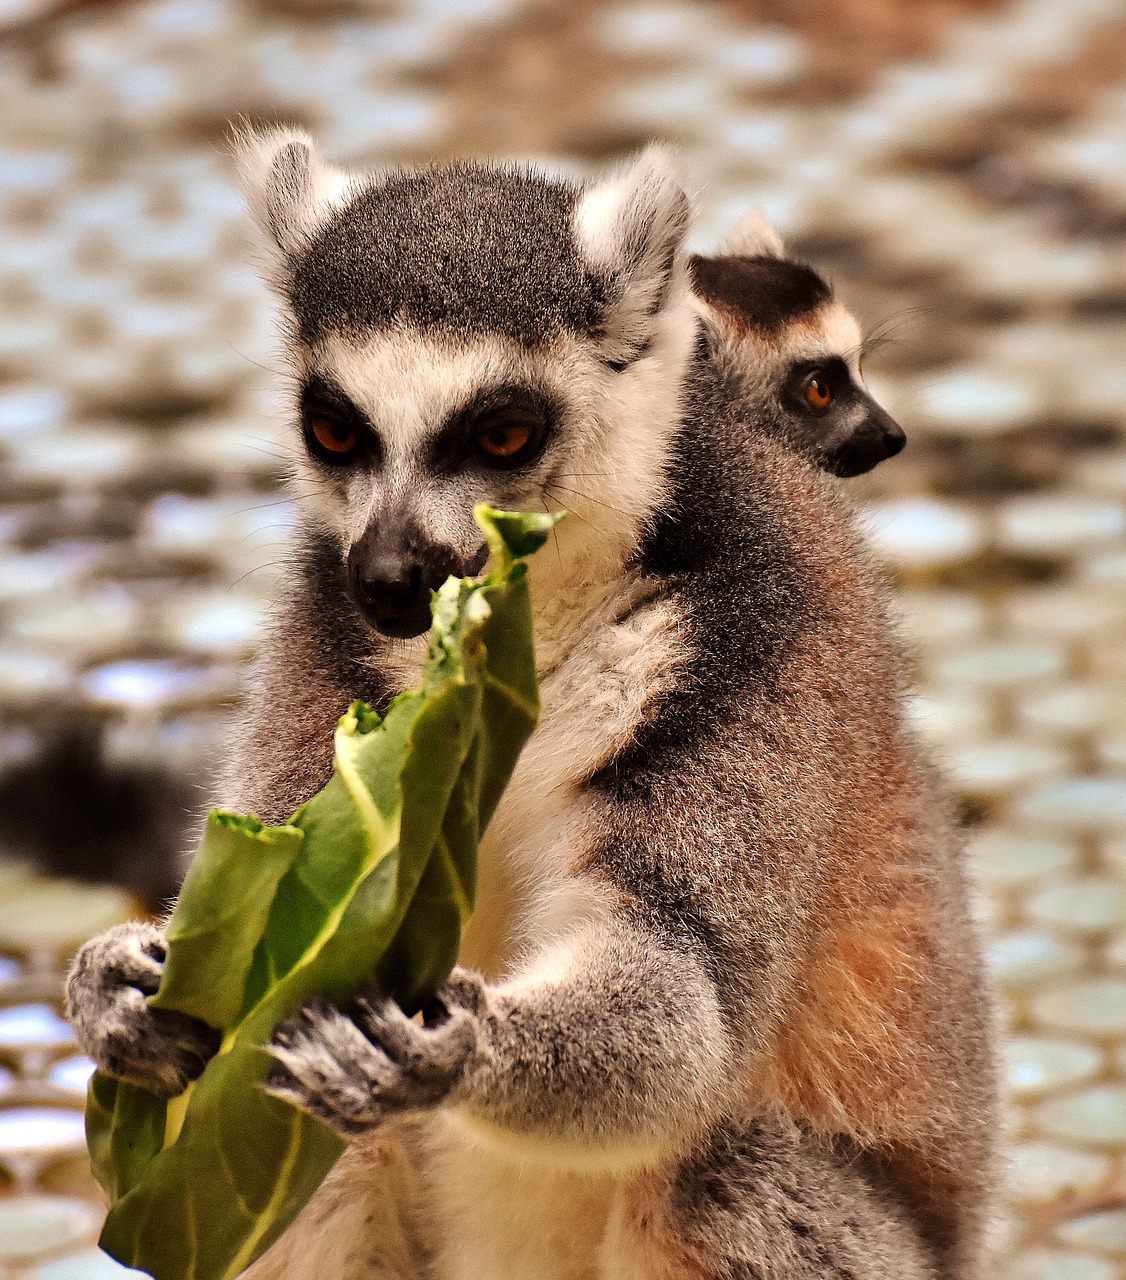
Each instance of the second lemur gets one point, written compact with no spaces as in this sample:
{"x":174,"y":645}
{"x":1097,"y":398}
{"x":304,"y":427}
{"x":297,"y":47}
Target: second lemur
{"x":719,"y":1012}
{"x":791,"y":351}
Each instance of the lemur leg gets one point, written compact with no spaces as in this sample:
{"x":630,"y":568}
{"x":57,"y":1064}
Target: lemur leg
{"x":756,"y":1201}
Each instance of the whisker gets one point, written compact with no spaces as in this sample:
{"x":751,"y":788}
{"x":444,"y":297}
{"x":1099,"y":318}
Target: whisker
{"x":578,"y":493}
{"x":577,"y":514}
{"x":558,"y":553}
{"x":278,"y":373}
{"x":270,"y":564}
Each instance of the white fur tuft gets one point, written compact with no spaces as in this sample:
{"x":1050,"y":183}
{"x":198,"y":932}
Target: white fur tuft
{"x":632,"y":226}
{"x":754,"y":236}
{"x":289,"y":190}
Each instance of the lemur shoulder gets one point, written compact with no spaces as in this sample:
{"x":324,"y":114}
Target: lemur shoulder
{"x":719,"y":1013}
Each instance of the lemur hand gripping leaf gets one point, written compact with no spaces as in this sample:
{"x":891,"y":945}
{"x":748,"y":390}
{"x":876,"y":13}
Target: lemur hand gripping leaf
{"x":372,"y":877}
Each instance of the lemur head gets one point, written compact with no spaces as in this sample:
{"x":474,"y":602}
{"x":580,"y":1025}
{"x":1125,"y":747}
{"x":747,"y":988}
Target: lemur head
{"x":467,"y":333}
{"x":795,"y":349}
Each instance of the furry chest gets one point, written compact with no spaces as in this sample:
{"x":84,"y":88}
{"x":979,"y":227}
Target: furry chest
{"x":594,"y":698}
{"x":516,"y":1213}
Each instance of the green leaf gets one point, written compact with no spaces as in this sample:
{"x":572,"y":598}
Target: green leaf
{"x":221,"y":915}
{"x":511,"y":535}
{"x":373,"y":877}
{"x":125,"y":1128}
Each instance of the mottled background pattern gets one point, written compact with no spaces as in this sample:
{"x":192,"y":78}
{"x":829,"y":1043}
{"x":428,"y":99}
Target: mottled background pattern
{"x":957,"y":166}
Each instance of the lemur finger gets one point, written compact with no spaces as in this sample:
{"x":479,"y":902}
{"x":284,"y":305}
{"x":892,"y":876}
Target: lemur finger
{"x":329,"y":1108}
{"x":105,"y":997}
{"x":324,"y":1065}
{"x":343,"y":1109}
{"x":450,"y":1046}
{"x":128,"y":955}
{"x":161,"y":1051}
{"x":464,"y":989}
{"x":432,"y":1054}
{"x":386,"y":1025}
{"x":319,"y":1042}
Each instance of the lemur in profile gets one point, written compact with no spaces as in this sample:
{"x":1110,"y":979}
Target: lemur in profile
{"x":792,"y":351}
{"x":719,"y":1013}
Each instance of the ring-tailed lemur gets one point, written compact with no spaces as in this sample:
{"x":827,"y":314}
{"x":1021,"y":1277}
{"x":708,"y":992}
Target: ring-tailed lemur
{"x":719,"y":1012}
{"x":792,"y":350}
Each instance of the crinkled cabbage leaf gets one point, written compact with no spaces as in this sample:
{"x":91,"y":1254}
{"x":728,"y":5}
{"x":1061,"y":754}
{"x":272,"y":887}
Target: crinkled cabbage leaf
{"x":371,"y":880}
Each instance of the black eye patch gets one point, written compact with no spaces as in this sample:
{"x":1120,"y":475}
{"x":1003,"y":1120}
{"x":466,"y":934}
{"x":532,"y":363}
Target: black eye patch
{"x":501,"y":429}
{"x":816,"y":386}
{"x":336,"y":432}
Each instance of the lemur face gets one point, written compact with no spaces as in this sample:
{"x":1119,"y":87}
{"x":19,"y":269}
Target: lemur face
{"x":796,"y":350}
{"x":463,"y":334}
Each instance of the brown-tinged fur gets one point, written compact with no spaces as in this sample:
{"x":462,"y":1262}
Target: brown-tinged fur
{"x":867,"y":1017}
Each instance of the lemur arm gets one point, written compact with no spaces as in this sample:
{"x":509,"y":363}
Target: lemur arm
{"x":280,"y":755}
{"x":614,"y":1043}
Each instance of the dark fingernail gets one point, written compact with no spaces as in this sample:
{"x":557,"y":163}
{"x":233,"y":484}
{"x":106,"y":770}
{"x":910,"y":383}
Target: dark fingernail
{"x":278,"y":1077}
{"x":435,"y":1013}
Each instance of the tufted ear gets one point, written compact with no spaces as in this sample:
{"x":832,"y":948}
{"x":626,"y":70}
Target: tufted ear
{"x":754,"y":236}
{"x":631,"y":227}
{"x":289,"y":189}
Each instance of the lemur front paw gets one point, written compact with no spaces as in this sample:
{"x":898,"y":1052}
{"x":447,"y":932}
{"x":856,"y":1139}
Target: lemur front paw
{"x":354,"y":1070}
{"x":105,"y":1002}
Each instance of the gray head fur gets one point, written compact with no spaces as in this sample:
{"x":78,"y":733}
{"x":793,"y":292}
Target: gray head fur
{"x":432,"y":308}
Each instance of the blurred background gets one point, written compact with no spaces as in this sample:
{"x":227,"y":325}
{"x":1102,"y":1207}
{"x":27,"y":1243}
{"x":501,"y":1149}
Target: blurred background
{"x":957,"y":167}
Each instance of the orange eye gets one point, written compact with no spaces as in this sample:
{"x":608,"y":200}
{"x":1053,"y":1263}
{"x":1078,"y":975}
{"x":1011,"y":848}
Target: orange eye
{"x":333,"y":436}
{"x":818,"y":393}
{"x":504,"y":440}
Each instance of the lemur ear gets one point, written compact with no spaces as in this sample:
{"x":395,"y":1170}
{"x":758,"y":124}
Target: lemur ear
{"x":289,"y":189}
{"x":754,"y":236}
{"x":632,"y":226}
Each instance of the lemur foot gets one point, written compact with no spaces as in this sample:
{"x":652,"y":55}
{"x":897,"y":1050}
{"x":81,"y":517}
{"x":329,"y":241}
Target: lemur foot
{"x":354,"y":1070}
{"x":105,"y":1002}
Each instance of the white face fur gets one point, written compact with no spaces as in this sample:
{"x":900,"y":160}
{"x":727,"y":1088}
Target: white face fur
{"x":428,"y":427}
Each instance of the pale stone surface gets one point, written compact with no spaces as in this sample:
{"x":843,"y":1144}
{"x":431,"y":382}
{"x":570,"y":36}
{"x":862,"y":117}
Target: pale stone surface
{"x":992,"y":767}
{"x":1001,"y":858}
{"x":976,"y":401}
{"x":1041,"y":1171}
{"x":1105,"y":1230}
{"x":1028,"y":959}
{"x":1096,"y":1116}
{"x":1096,"y":1006}
{"x":1074,"y":707}
{"x":1091,"y":905}
{"x":1091,"y":804}
{"x":918,"y":533}
{"x":1054,"y":1264}
{"x":949,"y":715}
{"x":999,"y":666}
{"x":1035,"y":1065}
{"x":143,"y":434}
{"x":88,"y":1266}
{"x":1059,"y":525}
{"x":34,"y":1225}
{"x":938,"y":617}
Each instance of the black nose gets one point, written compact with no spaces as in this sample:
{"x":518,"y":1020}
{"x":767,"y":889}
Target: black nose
{"x":391,"y":579}
{"x":391,"y":596}
{"x":894,"y":439}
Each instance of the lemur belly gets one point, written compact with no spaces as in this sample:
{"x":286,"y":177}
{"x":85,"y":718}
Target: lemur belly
{"x":516,"y":1215}
{"x":594,"y":696}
